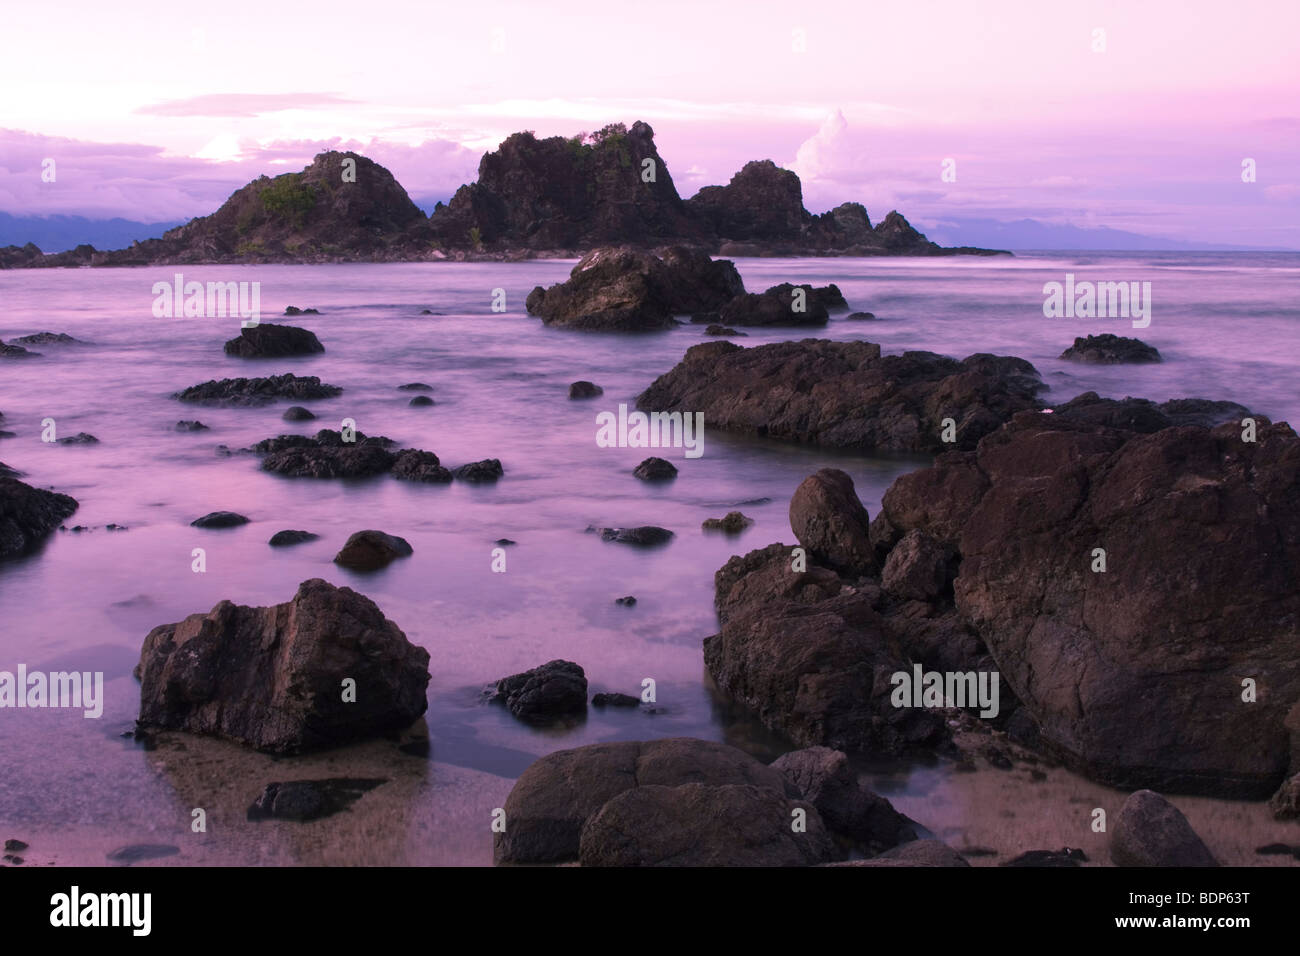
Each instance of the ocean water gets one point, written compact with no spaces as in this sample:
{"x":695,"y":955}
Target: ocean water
{"x":1228,"y":326}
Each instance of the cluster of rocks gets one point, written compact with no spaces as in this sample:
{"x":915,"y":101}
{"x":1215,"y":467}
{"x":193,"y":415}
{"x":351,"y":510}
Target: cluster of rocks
{"x":623,"y":289}
{"x":329,"y":454}
{"x":253,"y":392}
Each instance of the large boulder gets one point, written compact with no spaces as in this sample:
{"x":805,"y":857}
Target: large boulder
{"x":273,"y":341}
{"x":699,"y":825}
{"x":372,"y":550}
{"x":28,"y":514}
{"x":830,"y":521}
{"x":553,"y":799}
{"x":811,"y":657}
{"x":846,"y":394}
{"x":1128,"y":584}
{"x":1150,"y":831}
{"x":274,"y":677}
{"x":628,"y":290}
{"x":825,"y":778}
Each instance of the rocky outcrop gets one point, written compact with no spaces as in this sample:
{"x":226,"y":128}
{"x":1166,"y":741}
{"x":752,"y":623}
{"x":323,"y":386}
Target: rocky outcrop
{"x":1143,"y":415}
{"x":28,"y":515}
{"x":779,"y":305}
{"x":585,"y":389}
{"x":274,"y":677}
{"x":1132,"y":585}
{"x":326,"y":455}
{"x":273,"y":341}
{"x":252,"y":392}
{"x":1150,"y":831}
{"x":733,"y":522}
{"x":544,"y":694}
{"x":621,"y":289}
{"x":846,"y":394}
{"x":487,"y":470}
{"x":46,"y":338}
{"x":411,"y":464}
{"x":762,"y":202}
{"x":1110,"y":349}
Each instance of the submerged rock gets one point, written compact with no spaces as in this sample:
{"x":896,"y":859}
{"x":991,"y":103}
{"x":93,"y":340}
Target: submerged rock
{"x":28,"y":515}
{"x":733,"y":522}
{"x":294,"y":310}
{"x":303,"y":800}
{"x":615,"y":700}
{"x":273,"y":341}
{"x":372,"y":550}
{"x":1110,"y":349}
{"x":413,"y":464}
{"x":284,"y":539}
{"x":420,"y":401}
{"x":778,"y":305}
{"x":585,"y":389}
{"x":546,"y":693}
{"x":415,"y":387}
{"x":655,"y":469}
{"x":47,"y":338}
{"x":219,"y":519}
{"x":81,"y":438}
{"x":187,"y":425}
{"x":271,"y":677}
{"x":489,"y":469}
{"x":846,"y":394}
{"x":296,"y":413}
{"x":251,"y":392}
{"x":645,"y":536}
{"x":16,"y":352}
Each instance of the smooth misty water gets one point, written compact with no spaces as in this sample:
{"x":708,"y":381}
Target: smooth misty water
{"x":1226,"y":325}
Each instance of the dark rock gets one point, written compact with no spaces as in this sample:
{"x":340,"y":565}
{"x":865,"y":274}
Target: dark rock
{"x":1066,"y":857}
{"x":294,"y":310}
{"x":46,"y":338}
{"x":1107,"y":349}
{"x":1150,"y":831}
{"x":645,"y":536}
{"x":762,"y":202}
{"x":412,"y":464}
{"x":15,"y":846}
{"x":1145,"y":416}
{"x":326,"y":455}
{"x":16,"y":352}
{"x":846,"y":394}
{"x":704,"y":318}
{"x":420,"y":401}
{"x":1115,"y":676}
{"x":504,"y":542}
{"x":825,"y":779}
{"x":831,"y":523}
{"x":777,"y":306}
{"x":219,"y":519}
{"x":249,"y":392}
{"x":916,"y":853}
{"x":733,"y":523}
{"x":283,"y":539}
{"x":371,"y":550}
{"x":270,"y":677}
{"x":627,"y":290}
{"x":191,"y":426}
{"x":655,"y":469}
{"x":138,"y":852}
{"x":699,"y":825}
{"x":723,"y":330}
{"x":304,"y":800}
{"x":861,"y":316}
{"x":489,"y":469}
{"x":628,"y":601}
{"x":7,"y":472}
{"x":296,"y":413}
{"x":541,"y":695}
{"x":615,"y":700}
{"x":1285,"y":804}
{"x":555,"y":796}
{"x":81,"y":438}
{"x":917,"y":568}
{"x":585,"y":389}
{"x":415,"y":387}
{"x":273,"y":341}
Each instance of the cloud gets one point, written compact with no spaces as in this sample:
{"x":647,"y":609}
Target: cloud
{"x":243,"y":104}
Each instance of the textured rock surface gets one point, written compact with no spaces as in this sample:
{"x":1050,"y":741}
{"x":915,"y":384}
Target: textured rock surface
{"x":1150,"y":831}
{"x":28,"y":514}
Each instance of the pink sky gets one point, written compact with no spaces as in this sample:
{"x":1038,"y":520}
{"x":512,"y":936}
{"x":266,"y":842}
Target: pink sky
{"x":155,"y":112}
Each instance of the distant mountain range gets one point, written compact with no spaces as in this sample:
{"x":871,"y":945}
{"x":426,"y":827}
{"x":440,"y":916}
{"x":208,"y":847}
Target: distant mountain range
{"x":1024,"y":234}
{"x":60,"y":233}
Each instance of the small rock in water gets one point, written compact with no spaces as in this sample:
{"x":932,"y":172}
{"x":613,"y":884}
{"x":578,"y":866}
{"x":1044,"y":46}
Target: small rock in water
{"x":733,"y":523}
{"x":723,"y":330}
{"x":504,"y":542}
{"x":628,"y":601}
{"x":615,"y":700}
{"x":414,"y":464}
{"x":273,"y":341}
{"x":282,"y":539}
{"x":1108,"y":349}
{"x":489,"y":469}
{"x":219,"y":519}
{"x":142,"y":851}
{"x":15,"y":846}
{"x":420,"y":401}
{"x":296,"y":413}
{"x":45,"y":338}
{"x":415,"y":387}
{"x":371,"y":550}
{"x":655,"y":469}
{"x":861,"y":315}
{"x":646,"y":535}
{"x":16,"y":351}
{"x":555,"y":689}
{"x":81,"y":438}
{"x":191,"y":426}
{"x":304,"y":800}
{"x":294,"y":310}
{"x":585,"y":389}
